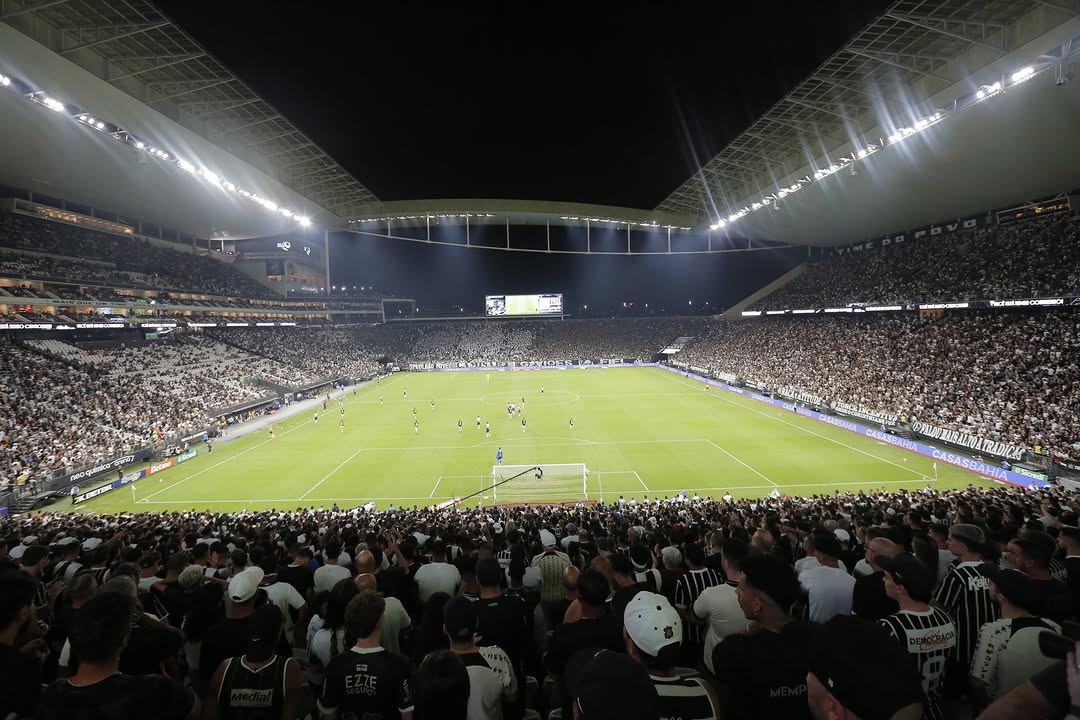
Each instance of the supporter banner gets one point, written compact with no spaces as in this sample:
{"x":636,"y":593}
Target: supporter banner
{"x":185,"y":456}
{"x":126,"y":480}
{"x":978,"y":467}
{"x":163,"y":465}
{"x":926,"y":231}
{"x":794,"y":393}
{"x":871,"y":415}
{"x":971,"y":442}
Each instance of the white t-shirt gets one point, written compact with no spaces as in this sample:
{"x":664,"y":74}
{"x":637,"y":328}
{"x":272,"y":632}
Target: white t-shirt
{"x":287,"y":598}
{"x":437,"y":577}
{"x":395,"y":619}
{"x":1007,"y":652}
{"x":830,"y":590}
{"x":491,"y":680}
{"x":328,"y":576}
{"x":720,"y":606}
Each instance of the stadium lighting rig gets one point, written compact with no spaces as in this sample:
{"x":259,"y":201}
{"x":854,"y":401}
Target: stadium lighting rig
{"x":97,"y":124}
{"x":899,"y":134}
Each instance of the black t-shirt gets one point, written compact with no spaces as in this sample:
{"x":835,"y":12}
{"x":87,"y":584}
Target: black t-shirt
{"x":766,"y":673}
{"x":502,"y":622}
{"x":299,"y":576}
{"x":868,"y":598}
{"x":227,"y":639}
{"x":622,"y":598}
{"x":1055,"y":601}
{"x":367,"y":683}
{"x":20,"y":682}
{"x":118,"y":697}
{"x":603,"y":633}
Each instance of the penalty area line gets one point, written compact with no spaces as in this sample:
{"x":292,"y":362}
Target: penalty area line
{"x":327,"y":477}
{"x":760,"y":475}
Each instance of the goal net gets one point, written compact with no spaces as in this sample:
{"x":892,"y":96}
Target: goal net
{"x":549,"y":483}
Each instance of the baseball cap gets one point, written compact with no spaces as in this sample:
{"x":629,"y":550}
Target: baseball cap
{"x":652,"y":623}
{"x":263,"y":630}
{"x":968,"y":533}
{"x":64,"y":542}
{"x":243,"y":585}
{"x":91,"y":543}
{"x":547,"y":538}
{"x":608,"y":685}
{"x":772,"y":577}
{"x":459,"y":618}
{"x":908,"y":571}
{"x":1014,"y":585}
{"x":838,"y":658}
{"x":842,"y":535}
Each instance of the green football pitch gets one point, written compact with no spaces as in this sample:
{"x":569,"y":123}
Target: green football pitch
{"x":639,"y":431}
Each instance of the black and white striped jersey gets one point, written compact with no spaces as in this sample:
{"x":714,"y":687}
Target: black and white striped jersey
{"x":965,"y":595}
{"x":930,"y":638}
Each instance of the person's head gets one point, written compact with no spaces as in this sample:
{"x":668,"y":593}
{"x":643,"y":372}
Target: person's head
{"x":176,"y":564}
{"x":592,"y":589}
{"x":1069,"y":540}
{"x":340,"y":595}
{"x":827,"y":547}
{"x":1012,"y":590}
{"x":652,"y":631}
{"x":547,"y":539}
{"x":842,"y":685}
{"x":34,"y":559}
{"x":906,"y":578}
{"x":219,"y":554}
{"x":768,"y":589}
{"x":640,"y":556}
{"x":1031,"y":554}
{"x":732,"y":555}
{"x":101,"y":628}
{"x":606,"y":685}
{"x":364,"y":614}
{"x":121,"y":585}
{"x":365,"y":562}
{"x":570,"y":580}
{"x":442,"y":688}
{"x":81,"y":588}
{"x":879,"y":548}
{"x":672,"y":557}
{"x":17,"y":590}
{"x":763,"y":540}
{"x":332,"y":550}
{"x":364,"y":582}
{"x":460,"y":621}
{"x":966,"y":540}
{"x":238,"y":560}
{"x":940,"y":534}
{"x":438,"y":551}
{"x":244,"y":586}
{"x":695,"y":555}
{"x":621,"y":569}
{"x":263,"y":630}
{"x":488,"y":573}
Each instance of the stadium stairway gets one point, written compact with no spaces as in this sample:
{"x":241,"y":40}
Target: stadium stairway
{"x":676,"y":345}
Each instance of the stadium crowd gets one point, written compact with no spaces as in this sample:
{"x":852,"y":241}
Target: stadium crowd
{"x":132,"y":262}
{"x":315,"y":353}
{"x":1001,"y":376}
{"x":875,"y":605}
{"x":1037,"y":258}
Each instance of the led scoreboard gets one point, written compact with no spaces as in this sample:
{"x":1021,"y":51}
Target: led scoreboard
{"x":548,"y":304}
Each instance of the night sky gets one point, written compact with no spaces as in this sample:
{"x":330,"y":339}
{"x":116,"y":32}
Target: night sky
{"x":539,"y":102}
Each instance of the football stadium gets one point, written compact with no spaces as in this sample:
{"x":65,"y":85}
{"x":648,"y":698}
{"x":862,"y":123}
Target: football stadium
{"x":556,"y":387}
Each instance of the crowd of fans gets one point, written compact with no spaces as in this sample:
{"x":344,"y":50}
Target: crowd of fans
{"x":122,"y":261}
{"x":1002,"y":376}
{"x":1037,"y":258}
{"x":875,"y":605}
{"x":315,"y":353}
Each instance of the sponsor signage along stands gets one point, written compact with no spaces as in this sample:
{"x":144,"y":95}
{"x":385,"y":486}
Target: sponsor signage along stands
{"x":126,"y":480}
{"x":989,"y":470}
{"x":185,"y":456}
{"x":159,"y":466}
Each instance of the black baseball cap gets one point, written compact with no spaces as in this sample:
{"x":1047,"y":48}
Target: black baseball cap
{"x":1017,"y":587}
{"x":772,"y":577}
{"x":263,"y":631}
{"x":838,"y":659}
{"x":910,"y":572}
{"x":459,"y":618}
{"x":608,"y":685}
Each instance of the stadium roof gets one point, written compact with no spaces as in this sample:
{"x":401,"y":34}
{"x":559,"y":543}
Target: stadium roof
{"x":131,"y":45}
{"x":916,"y":59}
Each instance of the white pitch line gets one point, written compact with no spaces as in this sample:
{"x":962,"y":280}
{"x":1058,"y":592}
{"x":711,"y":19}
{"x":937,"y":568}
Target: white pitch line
{"x":146,"y":499}
{"x":760,"y":475}
{"x":720,"y":396}
{"x":436,"y":487}
{"x":642,"y":482}
{"x":330,"y":473}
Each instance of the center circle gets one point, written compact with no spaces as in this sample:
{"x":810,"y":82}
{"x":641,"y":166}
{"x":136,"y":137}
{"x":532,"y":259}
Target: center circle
{"x":561,"y":397}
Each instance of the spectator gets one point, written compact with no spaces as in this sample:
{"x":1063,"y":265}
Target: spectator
{"x":1031,"y":555}
{"x":719,"y":604}
{"x":98,"y":688}
{"x":330,"y":574}
{"x":438,"y":576}
{"x":367,"y":680}
{"x":828,"y":586}
{"x":965,"y":593}
{"x":442,"y":688}
{"x":869,"y":599}
{"x":687,"y":590}
{"x":606,"y":685}
{"x":762,"y":674}
{"x":653,"y":632}
{"x":395,"y":619}
{"x":20,"y":654}
{"x":492,"y":680}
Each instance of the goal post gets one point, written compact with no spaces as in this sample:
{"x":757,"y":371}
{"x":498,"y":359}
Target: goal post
{"x":559,"y":482}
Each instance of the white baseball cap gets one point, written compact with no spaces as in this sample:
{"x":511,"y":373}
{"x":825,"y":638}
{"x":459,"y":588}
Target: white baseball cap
{"x":652,"y":623}
{"x":547,"y":538}
{"x":243,"y":585}
{"x":842,"y":535}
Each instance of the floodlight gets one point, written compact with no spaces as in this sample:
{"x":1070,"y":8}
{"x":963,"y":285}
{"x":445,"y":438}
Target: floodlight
{"x":5,"y":80}
{"x":99,"y":125}
{"x":140,"y":145}
{"x":185,"y":165}
{"x":996,"y":87}
{"x":305,"y":222}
